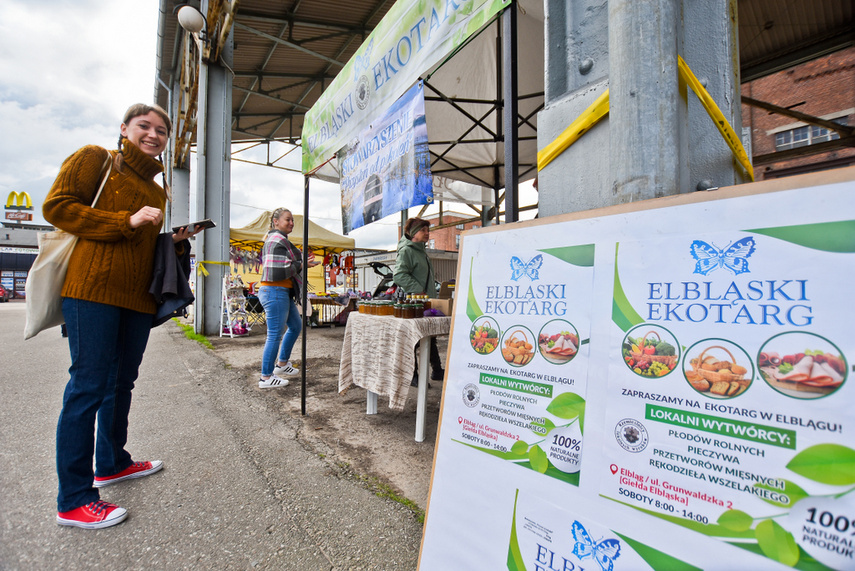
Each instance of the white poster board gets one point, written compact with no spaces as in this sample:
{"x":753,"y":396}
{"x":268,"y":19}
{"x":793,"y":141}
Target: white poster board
{"x":675,"y":394}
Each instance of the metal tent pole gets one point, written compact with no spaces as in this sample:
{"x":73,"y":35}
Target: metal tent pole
{"x":304,"y":301}
{"x":511,"y":112}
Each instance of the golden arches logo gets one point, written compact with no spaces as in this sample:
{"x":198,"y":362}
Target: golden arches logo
{"x":21,"y":201}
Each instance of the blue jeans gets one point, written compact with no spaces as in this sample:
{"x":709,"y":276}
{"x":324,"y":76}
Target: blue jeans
{"x":107,"y":345}
{"x":283,"y":325}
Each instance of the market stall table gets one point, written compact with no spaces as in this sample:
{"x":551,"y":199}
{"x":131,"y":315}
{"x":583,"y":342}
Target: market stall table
{"x":377,"y":355}
{"x":332,"y":310}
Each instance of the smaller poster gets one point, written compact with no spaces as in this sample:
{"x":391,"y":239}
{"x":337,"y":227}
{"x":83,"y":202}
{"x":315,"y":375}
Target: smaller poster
{"x":522,"y":396}
{"x":546,"y":537}
{"x":386,"y":169}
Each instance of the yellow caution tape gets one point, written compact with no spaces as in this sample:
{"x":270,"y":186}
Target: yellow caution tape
{"x":581,"y":125}
{"x":717,"y":116}
{"x":200,"y":266}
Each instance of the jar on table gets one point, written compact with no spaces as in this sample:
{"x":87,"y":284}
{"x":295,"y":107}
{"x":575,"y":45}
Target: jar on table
{"x":396,"y":310}
{"x":386,"y":308}
{"x":419,"y":309}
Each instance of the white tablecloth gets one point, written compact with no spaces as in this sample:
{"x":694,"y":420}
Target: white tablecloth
{"x":378,"y":353}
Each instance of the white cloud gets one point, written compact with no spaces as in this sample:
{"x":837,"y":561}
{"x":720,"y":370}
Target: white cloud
{"x":68,"y":71}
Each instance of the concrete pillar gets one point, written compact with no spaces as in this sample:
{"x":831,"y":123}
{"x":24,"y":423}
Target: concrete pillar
{"x":576,"y":73}
{"x":647,"y":111}
{"x":711,"y":49}
{"x":213,"y":189}
{"x":660,"y":139}
{"x":180,"y":196}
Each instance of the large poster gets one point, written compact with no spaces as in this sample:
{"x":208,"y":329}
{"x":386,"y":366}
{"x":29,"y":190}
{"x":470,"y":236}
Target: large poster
{"x":701,"y":421}
{"x":386,"y":169}
{"x":408,"y":41}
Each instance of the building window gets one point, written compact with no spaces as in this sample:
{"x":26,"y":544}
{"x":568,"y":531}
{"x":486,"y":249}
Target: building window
{"x":432,"y":244}
{"x":457,"y":241}
{"x":807,"y":135}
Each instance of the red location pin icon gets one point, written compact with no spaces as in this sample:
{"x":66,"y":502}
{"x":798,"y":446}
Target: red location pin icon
{"x":613,"y":468}
{"x":459,"y":420}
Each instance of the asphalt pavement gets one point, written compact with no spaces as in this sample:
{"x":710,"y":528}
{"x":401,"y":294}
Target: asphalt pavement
{"x":240,"y":488}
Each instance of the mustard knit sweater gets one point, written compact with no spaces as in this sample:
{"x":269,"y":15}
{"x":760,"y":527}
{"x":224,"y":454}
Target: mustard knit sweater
{"x":112,"y":262}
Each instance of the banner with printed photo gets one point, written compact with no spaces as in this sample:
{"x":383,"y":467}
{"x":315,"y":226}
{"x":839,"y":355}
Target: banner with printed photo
{"x":387,"y":168}
{"x":727,"y":378}
{"x":410,"y":39}
{"x":667,"y":380}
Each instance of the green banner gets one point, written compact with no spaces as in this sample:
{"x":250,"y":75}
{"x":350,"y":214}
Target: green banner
{"x":752,"y":431}
{"x":539,"y":389}
{"x":414,"y":36}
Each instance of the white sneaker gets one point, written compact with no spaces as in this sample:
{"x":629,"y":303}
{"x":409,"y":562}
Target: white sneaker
{"x":273,"y":382}
{"x":287,"y":369}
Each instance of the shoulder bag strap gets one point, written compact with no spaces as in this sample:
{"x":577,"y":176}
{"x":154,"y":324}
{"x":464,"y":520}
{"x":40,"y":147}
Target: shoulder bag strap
{"x":108,"y":164}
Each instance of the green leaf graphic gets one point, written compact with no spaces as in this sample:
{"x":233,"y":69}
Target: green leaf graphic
{"x":777,"y":543}
{"x":515,"y":558}
{"x":473,"y":311}
{"x":736,"y":520}
{"x":582,"y":256}
{"x":546,"y":425}
{"x":519,"y":447}
{"x":623,"y":314}
{"x":567,"y":406}
{"x":831,"y":464}
{"x":838,"y":237}
{"x":538,"y":459}
{"x":793,"y":491}
{"x":657,"y":560}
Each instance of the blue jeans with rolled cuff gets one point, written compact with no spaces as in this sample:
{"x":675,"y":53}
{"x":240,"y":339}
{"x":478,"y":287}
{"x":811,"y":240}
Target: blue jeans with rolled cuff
{"x":283,"y":325}
{"x":107,"y":345}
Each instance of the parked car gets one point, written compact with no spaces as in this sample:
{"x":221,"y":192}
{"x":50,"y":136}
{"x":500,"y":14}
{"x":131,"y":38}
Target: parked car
{"x":5,"y":294}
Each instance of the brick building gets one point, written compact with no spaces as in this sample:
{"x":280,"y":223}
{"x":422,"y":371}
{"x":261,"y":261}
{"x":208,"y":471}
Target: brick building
{"x":447,"y":239}
{"x":783,"y":145}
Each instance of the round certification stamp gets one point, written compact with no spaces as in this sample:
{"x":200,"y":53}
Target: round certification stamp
{"x":631,"y":435}
{"x":471,"y":395}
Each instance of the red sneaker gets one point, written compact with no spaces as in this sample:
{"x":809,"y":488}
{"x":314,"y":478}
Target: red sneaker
{"x":93,"y":515}
{"x":135,"y":470}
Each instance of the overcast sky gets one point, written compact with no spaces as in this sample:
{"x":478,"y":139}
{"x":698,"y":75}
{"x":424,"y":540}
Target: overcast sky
{"x":68,"y":71}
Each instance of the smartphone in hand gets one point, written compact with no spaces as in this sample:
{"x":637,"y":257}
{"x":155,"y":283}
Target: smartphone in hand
{"x":201,"y":225}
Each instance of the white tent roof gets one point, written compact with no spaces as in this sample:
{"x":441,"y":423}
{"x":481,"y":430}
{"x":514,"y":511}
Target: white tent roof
{"x":319,"y":237}
{"x":467,"y":84}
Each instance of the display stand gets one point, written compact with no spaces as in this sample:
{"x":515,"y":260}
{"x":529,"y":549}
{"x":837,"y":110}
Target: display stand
{"x":233,"y":316}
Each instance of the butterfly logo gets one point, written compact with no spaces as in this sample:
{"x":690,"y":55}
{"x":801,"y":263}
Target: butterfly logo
{"x":363,"y":61}
{"x":734,"y":257}
{"x":604,"y":552}
{"x":530,"y":268}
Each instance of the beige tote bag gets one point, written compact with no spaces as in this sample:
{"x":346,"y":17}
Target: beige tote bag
{"x":47,"y":276}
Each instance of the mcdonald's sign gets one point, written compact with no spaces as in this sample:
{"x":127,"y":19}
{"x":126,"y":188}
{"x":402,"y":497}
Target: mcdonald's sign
{"x":21,"y":201}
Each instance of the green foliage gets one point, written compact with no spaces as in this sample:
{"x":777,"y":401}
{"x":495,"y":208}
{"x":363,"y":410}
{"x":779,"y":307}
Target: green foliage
{"x":830,"y":464}
{"x":735,"y":520}
{"x":192,"y":335}
{"x":777,"y":543}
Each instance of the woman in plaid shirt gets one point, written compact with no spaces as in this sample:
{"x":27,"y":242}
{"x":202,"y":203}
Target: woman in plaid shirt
{"x":281,"y":270}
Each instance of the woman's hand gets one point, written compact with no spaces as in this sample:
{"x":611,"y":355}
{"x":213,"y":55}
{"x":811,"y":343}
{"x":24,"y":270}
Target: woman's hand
{"x":146,"y":215}
{"x":313,"y":264}
{"x":185,"y":232}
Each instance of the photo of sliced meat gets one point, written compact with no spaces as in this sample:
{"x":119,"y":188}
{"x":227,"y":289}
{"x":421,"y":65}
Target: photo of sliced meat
{"x":800,"y":372}
{"x":558,"y":341}
{"x":802,"y":365}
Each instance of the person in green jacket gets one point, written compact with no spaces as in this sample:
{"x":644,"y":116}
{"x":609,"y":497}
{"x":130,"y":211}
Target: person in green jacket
{"x":414,"y":274}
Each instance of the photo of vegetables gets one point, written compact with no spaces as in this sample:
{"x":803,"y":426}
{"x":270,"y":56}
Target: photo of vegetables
{"x":718,"y":369}
{"x":802,"y":365}
{"x":518,"y":346}
{"x":484,"y":335}
{"x":650,"y":351}
{"x":558,"y":341}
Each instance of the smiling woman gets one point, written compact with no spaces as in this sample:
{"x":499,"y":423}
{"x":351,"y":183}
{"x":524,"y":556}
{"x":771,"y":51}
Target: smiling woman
{"x":107,"y":291}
